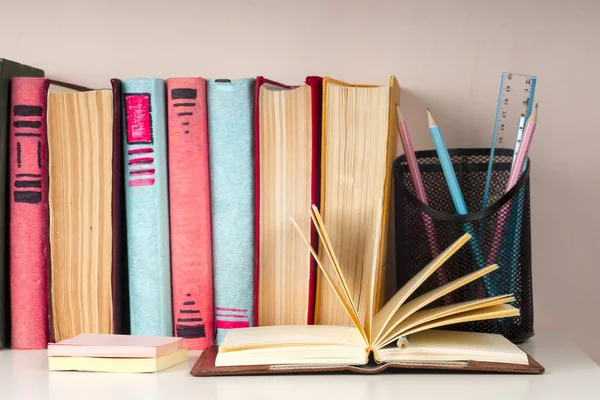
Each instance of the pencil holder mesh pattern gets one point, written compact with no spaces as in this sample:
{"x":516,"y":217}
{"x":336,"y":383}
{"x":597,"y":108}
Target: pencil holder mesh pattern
{"x":502,"y":234}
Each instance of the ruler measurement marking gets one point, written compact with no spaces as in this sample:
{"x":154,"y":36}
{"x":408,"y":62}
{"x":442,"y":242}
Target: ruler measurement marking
{"x":515,"y":92}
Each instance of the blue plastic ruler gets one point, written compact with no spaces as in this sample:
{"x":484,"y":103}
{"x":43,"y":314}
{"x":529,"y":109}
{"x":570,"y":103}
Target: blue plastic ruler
{"x":515,"y":102}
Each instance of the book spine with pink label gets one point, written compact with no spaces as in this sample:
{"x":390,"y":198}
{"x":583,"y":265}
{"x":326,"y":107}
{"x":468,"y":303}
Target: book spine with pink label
{"x":147,"y":206}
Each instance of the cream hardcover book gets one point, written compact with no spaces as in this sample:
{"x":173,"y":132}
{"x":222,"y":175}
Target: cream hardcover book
{"x":358,"y":147}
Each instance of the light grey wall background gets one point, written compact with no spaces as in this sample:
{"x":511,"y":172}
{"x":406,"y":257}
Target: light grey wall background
{"x":448,"y":55}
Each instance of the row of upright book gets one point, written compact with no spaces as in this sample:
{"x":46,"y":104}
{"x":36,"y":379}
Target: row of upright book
{"x":162,"y":207}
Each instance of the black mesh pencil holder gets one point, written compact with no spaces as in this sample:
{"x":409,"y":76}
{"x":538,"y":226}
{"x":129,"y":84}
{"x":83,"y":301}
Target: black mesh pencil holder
{"x":501,"y":233}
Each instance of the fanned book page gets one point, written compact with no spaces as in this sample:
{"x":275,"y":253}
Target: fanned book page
{"x":80,"y":142}
{"x":357,"y":152}
{"x":286,"y":172}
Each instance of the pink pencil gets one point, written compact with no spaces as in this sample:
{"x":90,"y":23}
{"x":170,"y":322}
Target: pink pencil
{"x":415,"y":174}
{"x":515,"y":173}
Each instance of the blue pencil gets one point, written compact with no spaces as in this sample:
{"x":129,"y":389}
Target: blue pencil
{"x":455,"y":192}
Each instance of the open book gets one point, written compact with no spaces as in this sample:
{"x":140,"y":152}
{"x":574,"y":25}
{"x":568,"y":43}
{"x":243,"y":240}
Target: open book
{"x":400,"y":332}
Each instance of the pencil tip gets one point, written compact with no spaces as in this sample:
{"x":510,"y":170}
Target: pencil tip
{"x":430,"y":118}
{"x":533,"y":116}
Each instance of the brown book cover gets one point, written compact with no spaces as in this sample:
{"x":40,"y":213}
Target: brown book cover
{"x":205,"y":366}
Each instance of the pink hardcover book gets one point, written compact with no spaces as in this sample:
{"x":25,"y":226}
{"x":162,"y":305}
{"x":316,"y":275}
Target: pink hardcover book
{"x":29,"y":241}
{"x":114,"y":346}
{"x":189,"y":200}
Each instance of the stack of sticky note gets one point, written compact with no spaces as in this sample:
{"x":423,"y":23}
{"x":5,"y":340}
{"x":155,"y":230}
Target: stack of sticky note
{"x":116,"y":353}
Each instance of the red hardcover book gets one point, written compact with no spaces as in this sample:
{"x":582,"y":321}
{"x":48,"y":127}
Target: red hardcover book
{"x":8,"y":71}
{"x":314,"y":84}
{"x":190,"y":216}
{"x":29,"y":240}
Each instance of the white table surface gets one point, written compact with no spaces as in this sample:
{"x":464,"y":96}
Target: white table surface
{"x":570,"y":374}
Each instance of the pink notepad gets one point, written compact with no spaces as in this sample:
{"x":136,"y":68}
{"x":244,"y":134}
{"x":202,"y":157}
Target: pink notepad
{"x":118,"y":346}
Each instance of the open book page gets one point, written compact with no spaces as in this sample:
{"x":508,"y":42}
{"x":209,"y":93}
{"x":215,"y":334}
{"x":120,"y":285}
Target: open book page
{"x":448,"y":346}
{"x":385,"y":314}
{"x":424,"y":316}
{"x":407,"y":309}
{"x":313,"y":354}
{"x":289,"y":345}
{"x":291,"y":335}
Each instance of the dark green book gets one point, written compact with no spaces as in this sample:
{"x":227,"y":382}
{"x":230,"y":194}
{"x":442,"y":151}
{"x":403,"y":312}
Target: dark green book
{"x":8,"y":70}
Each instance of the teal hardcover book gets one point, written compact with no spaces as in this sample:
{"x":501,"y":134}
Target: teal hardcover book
{"x":146,"y":198}
{"x":231,"y":148}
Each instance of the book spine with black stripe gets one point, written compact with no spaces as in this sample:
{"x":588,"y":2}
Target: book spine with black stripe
{"x":189,"y":202}
{"x":29,"y":239}
{"x":8,"y":70}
